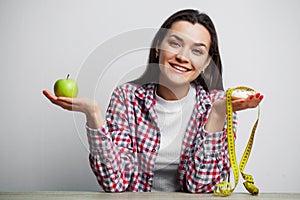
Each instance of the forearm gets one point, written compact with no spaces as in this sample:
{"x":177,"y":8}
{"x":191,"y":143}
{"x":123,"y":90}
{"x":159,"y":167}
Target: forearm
{"x":94,"y":118}
{"x":215,"y":121}
{"x":107,"y":162}
{"x":208,"y":164}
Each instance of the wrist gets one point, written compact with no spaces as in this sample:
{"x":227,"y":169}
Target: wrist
{"x":216,"y":120}
{"x":218,"y":112}
{"x":93,"y":117}
{"x":92,"y":109}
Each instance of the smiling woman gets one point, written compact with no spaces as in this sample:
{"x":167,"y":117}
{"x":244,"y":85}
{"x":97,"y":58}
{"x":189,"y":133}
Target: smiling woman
{"x":211,"y":78}
{"x":183,"y":55}
{"x":166,"y":130}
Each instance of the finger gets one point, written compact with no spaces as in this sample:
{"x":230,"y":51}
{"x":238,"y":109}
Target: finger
{"x":51,"y":98}
{"x":253,"y":103}
{"x":243,"y":105}
{"x":256,"y":100}
{"x":238,"y":106}
{"x":259,"y":96}
{"x":66,"y":106}
{"x":74,"y":104}
{"x":49,"y":95}
{"x":238,"y":101}
{"x":55,"y":100}
{"x":71,"y":107}
{"x":66,"y":99}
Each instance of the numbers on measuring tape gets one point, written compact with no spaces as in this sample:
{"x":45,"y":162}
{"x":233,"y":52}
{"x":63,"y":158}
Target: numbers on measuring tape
{"x":225,"y":188}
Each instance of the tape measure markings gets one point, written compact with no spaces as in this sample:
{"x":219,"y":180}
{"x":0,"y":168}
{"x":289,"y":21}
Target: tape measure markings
{"x":225,"y":188}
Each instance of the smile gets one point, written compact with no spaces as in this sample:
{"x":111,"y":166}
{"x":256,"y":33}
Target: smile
{"x":180,"y":68}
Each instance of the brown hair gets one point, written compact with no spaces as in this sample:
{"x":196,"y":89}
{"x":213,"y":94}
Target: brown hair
{"x":211,"y":79}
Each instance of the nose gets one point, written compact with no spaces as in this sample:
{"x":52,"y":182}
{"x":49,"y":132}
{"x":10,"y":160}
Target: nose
{"x":182,"y":55}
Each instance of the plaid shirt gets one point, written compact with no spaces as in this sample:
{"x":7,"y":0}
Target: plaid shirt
{"x":123,"y":151}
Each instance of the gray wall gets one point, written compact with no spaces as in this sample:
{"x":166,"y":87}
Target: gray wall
{"x":43,"y":147}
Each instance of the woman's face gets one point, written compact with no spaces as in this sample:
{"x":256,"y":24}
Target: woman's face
{"x":183,"y":53}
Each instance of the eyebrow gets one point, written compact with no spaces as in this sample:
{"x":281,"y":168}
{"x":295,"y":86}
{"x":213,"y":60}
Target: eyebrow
{"x":181,"y":40}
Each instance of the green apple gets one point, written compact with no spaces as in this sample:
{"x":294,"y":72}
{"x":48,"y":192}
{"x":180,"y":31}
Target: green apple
{"x":66,"y":88}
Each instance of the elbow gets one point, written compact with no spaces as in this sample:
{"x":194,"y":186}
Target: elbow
{"x":113,"y":190}
{"x":198,"y":186}
{"x":199,"y":189}
{"x":113,"y":186}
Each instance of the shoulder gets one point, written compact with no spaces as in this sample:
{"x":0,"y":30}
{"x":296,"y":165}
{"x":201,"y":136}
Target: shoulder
{"x":217,"y":94}
{"x":210,"y":96}
{"x":135,"y":90}
{"x":127,"y":88}
{"x":124,"y":91}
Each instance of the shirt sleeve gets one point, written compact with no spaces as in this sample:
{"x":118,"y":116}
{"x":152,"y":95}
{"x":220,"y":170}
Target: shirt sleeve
{"x":209,"y":161}
{"x":111,"y":155}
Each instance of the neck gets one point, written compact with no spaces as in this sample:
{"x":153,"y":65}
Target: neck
{"x":172,"y":93}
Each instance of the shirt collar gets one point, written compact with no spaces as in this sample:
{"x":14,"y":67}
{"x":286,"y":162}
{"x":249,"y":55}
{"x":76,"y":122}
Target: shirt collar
{"x":203,"y":99}
{"x":146,"y":92}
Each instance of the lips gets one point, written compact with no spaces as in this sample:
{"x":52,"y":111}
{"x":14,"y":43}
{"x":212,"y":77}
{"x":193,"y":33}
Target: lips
{"x":180,"y":68}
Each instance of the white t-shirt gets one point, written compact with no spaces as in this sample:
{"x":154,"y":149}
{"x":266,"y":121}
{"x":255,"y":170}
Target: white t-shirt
{"x":173,"y":118}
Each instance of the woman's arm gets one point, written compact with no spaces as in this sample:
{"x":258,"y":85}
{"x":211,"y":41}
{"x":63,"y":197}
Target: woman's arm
{"x":110,"y":159}
{"x":217,"y":115}
{"x":112,"y":155}
{"x":208,"y":162}
{"x":87,"y":106}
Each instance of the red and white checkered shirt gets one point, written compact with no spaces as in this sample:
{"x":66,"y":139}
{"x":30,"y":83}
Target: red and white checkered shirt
{"x":123,"y":151}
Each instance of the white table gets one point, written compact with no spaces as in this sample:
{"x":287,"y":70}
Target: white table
{"x":68,"y":195}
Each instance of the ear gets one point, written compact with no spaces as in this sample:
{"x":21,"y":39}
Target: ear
{"x":157,"y":51}
{"x":157,"y":47}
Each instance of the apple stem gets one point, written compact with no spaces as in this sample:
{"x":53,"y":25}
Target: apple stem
{"x":68,"y":76}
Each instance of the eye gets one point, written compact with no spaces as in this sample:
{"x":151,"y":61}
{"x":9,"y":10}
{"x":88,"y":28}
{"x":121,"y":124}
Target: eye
{"x":174,"y":43}
{"x":198,"y":52}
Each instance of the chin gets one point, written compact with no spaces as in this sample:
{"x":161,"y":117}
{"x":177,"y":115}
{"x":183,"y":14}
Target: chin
{"x":175,"y":81}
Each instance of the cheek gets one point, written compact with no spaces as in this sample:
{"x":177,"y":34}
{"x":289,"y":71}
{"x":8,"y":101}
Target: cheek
{"x":198,"y":66}
{"x":198,"y":69}
{"x":195,"y":75}
{"x":164,"y":56}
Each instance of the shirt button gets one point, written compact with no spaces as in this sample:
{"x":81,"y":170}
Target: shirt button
{"x":153,"y":150}
{"x":103,"y":138}
{"x":202,"y":166}
{"x":206,"y":141}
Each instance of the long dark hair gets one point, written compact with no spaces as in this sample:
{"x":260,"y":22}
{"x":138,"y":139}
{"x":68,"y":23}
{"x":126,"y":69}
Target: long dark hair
{"x":211,"y":79}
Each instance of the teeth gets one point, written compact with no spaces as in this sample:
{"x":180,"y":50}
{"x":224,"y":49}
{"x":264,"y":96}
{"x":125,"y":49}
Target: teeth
{"x":180,"y":68}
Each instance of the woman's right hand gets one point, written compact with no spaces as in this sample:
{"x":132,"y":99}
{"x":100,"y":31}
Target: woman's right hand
{"x":80,"y":104}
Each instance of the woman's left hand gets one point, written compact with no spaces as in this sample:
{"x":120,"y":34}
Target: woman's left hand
{"x":252,"y":101}
{"x":215,"y":121}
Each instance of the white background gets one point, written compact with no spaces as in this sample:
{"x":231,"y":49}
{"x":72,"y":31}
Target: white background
{"x":43,"y":147}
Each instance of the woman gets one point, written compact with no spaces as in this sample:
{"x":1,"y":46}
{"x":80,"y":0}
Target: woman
{"x":166,"y":130}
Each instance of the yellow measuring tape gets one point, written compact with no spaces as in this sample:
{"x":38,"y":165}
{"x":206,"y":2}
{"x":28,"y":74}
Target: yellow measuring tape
{"x":224,"y":188}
